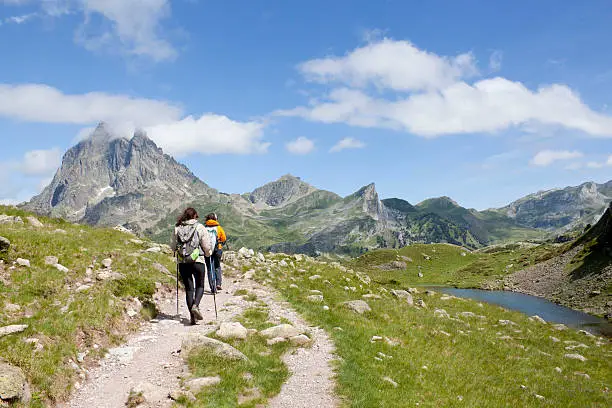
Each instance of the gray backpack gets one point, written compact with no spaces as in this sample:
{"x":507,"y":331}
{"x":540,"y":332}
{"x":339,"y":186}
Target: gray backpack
{"x":188,"y":243}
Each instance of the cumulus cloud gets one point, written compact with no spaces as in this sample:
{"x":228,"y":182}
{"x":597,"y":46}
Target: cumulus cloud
{"x":547,"y":157}
{"x":347,"y":143}
{"x":209,"y":134}
{"x":429,"y":95}
{"x":389,"y":64}
{"x":164,"y":121}
{"x":40,"y":162}
{"x":301,"y":146}
{"x":495,"y":61}
{"x":132,"y":26}
{"x":42,"y":103}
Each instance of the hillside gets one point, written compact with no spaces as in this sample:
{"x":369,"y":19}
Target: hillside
{"x":580,"y":277}
{"x":73,"y":292}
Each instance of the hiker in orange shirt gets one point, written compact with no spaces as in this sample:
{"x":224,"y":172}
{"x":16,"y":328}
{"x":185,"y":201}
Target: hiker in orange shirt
{"x":215,"y":277}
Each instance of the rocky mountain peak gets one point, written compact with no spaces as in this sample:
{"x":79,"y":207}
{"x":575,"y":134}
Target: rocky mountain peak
{"x":283,"y":191}
{"x":371,"y":202}
{"x":108,"y":180}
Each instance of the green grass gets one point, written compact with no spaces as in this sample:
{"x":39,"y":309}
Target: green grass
{"x":449,"y":264}
{"x":64,"y":321}
{"x":472,"y":366}
{"x":264,"y":370}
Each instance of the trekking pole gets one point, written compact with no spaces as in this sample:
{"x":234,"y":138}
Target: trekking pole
{"x":177,"y":284}
{"x":213,"y":290}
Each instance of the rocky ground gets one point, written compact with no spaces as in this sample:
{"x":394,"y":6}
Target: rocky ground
{"x":151,"y":362}
{"x":551,"y":280}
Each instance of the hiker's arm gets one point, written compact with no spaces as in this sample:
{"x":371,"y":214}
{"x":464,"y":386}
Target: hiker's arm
{"x":222,"y":236}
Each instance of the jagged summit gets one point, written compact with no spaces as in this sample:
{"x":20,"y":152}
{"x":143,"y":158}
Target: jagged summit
{"x":108,"y":180}
{"x":283,"y":191}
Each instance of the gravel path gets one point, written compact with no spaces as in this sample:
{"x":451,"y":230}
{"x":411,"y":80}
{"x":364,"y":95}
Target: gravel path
{"x":150,"y":360}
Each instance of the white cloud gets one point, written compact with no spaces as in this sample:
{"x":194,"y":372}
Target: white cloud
{"x":134,"y":27}
{"x":429,"y":96}
{"x":495,"y":60}
{"x":209,"y":134}
{"x":301,"y":145}
{"x":397,"y":65}
{"x":347,"y":143}
{"x":548,"y":157}
{"x":41,"y":162}
{"x":609,"y":161}
{"x":42,"y":103}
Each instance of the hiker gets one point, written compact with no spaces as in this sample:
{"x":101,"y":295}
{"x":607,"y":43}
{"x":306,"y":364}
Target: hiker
{"x":215,"y":279}
{"x":191,"y":245}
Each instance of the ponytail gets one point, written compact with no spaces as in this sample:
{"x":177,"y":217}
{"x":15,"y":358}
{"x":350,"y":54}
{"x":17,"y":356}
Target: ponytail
{"x":189,"y":214}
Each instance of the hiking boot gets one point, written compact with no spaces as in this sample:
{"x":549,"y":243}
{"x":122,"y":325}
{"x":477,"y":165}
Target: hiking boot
{"x":195,"y":311}
{"x":219,"y":288}
{"x":193,"y":319}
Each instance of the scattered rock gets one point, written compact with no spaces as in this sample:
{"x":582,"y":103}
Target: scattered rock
{"x":540,"y":397}
{"x":538,"y":319}
{"x":283,"y":330}
{"x":244,"y":253}
{"x":83,"y":288}
{"x":299,"y":340}
{"x":403,"y":294}
{"x":283,"y":263}
{"x":221,"y":349}
{"x":441,"y":313}
{"x":249,"y":395}
{"x":197,"y":384}
{"x":232,"y":330}
{"x":420,"y":303}
{"x":12,"y":329}
{"x":390,"y":381}
{"x":507,"y":323}
{"x":575,"y":357}
{"x":109,"y":275}
{"x":559,"y":327}
{"x":61,"y":268}
{"x":260,"y":257}
{"x":294,"y":286}
{"x":374,"y":339}
{"x":276,"y":340}
{"x":107,"y":263}
{"x":11,"y":308}
{"x":12,"y":383}
{"x":23,"y":262}
{"x":154,"y":250}
{"x":558,"y":369}
{"x":371,"y":296}
{"x":315,"y":298}
{"x":51,"y":260}
{"x":35,"y":222}
{"x":314,"y":277}
{"x":583,"y":375}
{"x":554,"y":339}
{"x":358,"y":306}
{"x":8,"y":219}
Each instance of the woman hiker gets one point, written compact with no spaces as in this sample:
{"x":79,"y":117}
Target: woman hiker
{"x":215,"y":278}
{"x":192,"y":246}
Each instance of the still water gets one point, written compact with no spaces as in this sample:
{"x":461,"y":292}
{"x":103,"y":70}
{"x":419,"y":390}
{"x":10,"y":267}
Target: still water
{"x":532,"y":305}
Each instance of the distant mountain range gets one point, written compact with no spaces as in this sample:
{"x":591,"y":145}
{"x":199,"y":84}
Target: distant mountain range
{"x":108,"y":180}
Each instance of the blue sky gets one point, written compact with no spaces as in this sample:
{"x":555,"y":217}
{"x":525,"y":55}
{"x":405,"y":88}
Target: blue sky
{"x":476,"y":100}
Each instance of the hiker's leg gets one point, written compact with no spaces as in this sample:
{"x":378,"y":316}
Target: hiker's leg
{"x":200,"y":271}
{"x":218,"y":255}
{"x":187,"y":276}
{"x":211,"y":276}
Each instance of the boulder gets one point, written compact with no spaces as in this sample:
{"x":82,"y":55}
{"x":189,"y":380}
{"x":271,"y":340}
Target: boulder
{"x":244,"y":253}
{"x":12,"y":383}
{"x":260,"y":257}
{"x":34,"y":222}
{"x":358,"y":306}
{"x":315,"y":298}
{"x":8,"y":219}
{"x":61,"y":268}
{"x":197,"y":384}
{"x":402,"y":294}
{"x":441,"y":313}
{"x":232,"y":330}
{"x":575,"y":357}
{"x":11,"y":308}
{"x":51,"y":260}
{"x":23,"y":262}
{"x":200,"y":341}
{"x":12,"y":329}
{"x":299,"y":340}
{"x":5,"y":244}
{"x":109,"y":275}
{"x":283,"y":330}
{"x":538,"y":319}
{"x":107,"y":262}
